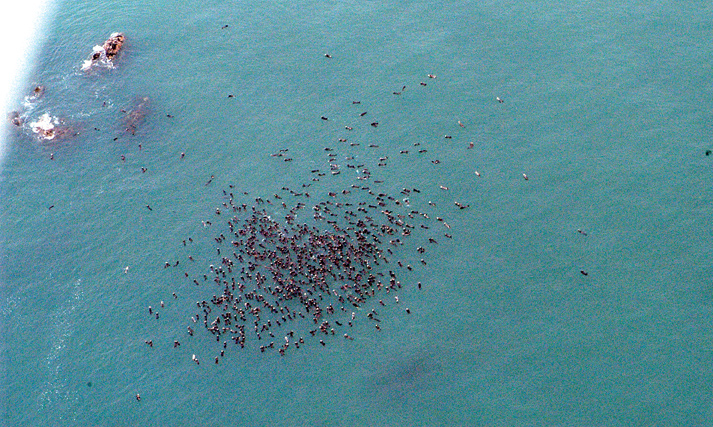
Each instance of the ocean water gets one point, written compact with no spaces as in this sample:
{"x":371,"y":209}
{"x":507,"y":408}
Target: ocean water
{"x":606,"y":110}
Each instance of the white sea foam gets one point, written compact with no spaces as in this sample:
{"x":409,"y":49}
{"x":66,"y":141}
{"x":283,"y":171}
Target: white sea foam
{"x":54,"y":391}
{"x":87,"y":64}
{"x":20,"y":23}
{"x":44,"y":126}
{"x":9,"y":306}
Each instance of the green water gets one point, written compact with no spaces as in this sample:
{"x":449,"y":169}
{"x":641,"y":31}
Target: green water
{"x":606,"y":110}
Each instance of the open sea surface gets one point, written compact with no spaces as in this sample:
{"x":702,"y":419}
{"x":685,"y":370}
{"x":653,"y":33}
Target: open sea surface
{"x":607,"y":110}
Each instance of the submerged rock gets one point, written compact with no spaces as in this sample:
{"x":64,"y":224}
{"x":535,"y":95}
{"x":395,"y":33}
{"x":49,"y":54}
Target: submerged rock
{"x":15,"y":118}
{"x":136,"y":115}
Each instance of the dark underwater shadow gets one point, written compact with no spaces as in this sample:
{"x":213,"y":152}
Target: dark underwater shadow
{"x":408,"y":377}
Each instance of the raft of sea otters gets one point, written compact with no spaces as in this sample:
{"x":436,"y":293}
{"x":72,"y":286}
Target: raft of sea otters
{"x":305,"y":265}
{"x":301,"y":267}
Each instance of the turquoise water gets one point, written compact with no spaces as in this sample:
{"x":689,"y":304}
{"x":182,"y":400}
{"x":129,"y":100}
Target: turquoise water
{"x":606,"y":109}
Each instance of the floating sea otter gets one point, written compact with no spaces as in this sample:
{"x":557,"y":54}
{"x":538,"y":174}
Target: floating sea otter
{"x":105,"y":53}
{"x":37,"y":93}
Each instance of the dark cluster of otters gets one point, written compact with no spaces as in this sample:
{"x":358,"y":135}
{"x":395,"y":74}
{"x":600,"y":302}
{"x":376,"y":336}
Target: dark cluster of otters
{"x":315,"y":264}
{"x":304,"y":266}
{"x":307,"y":265}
